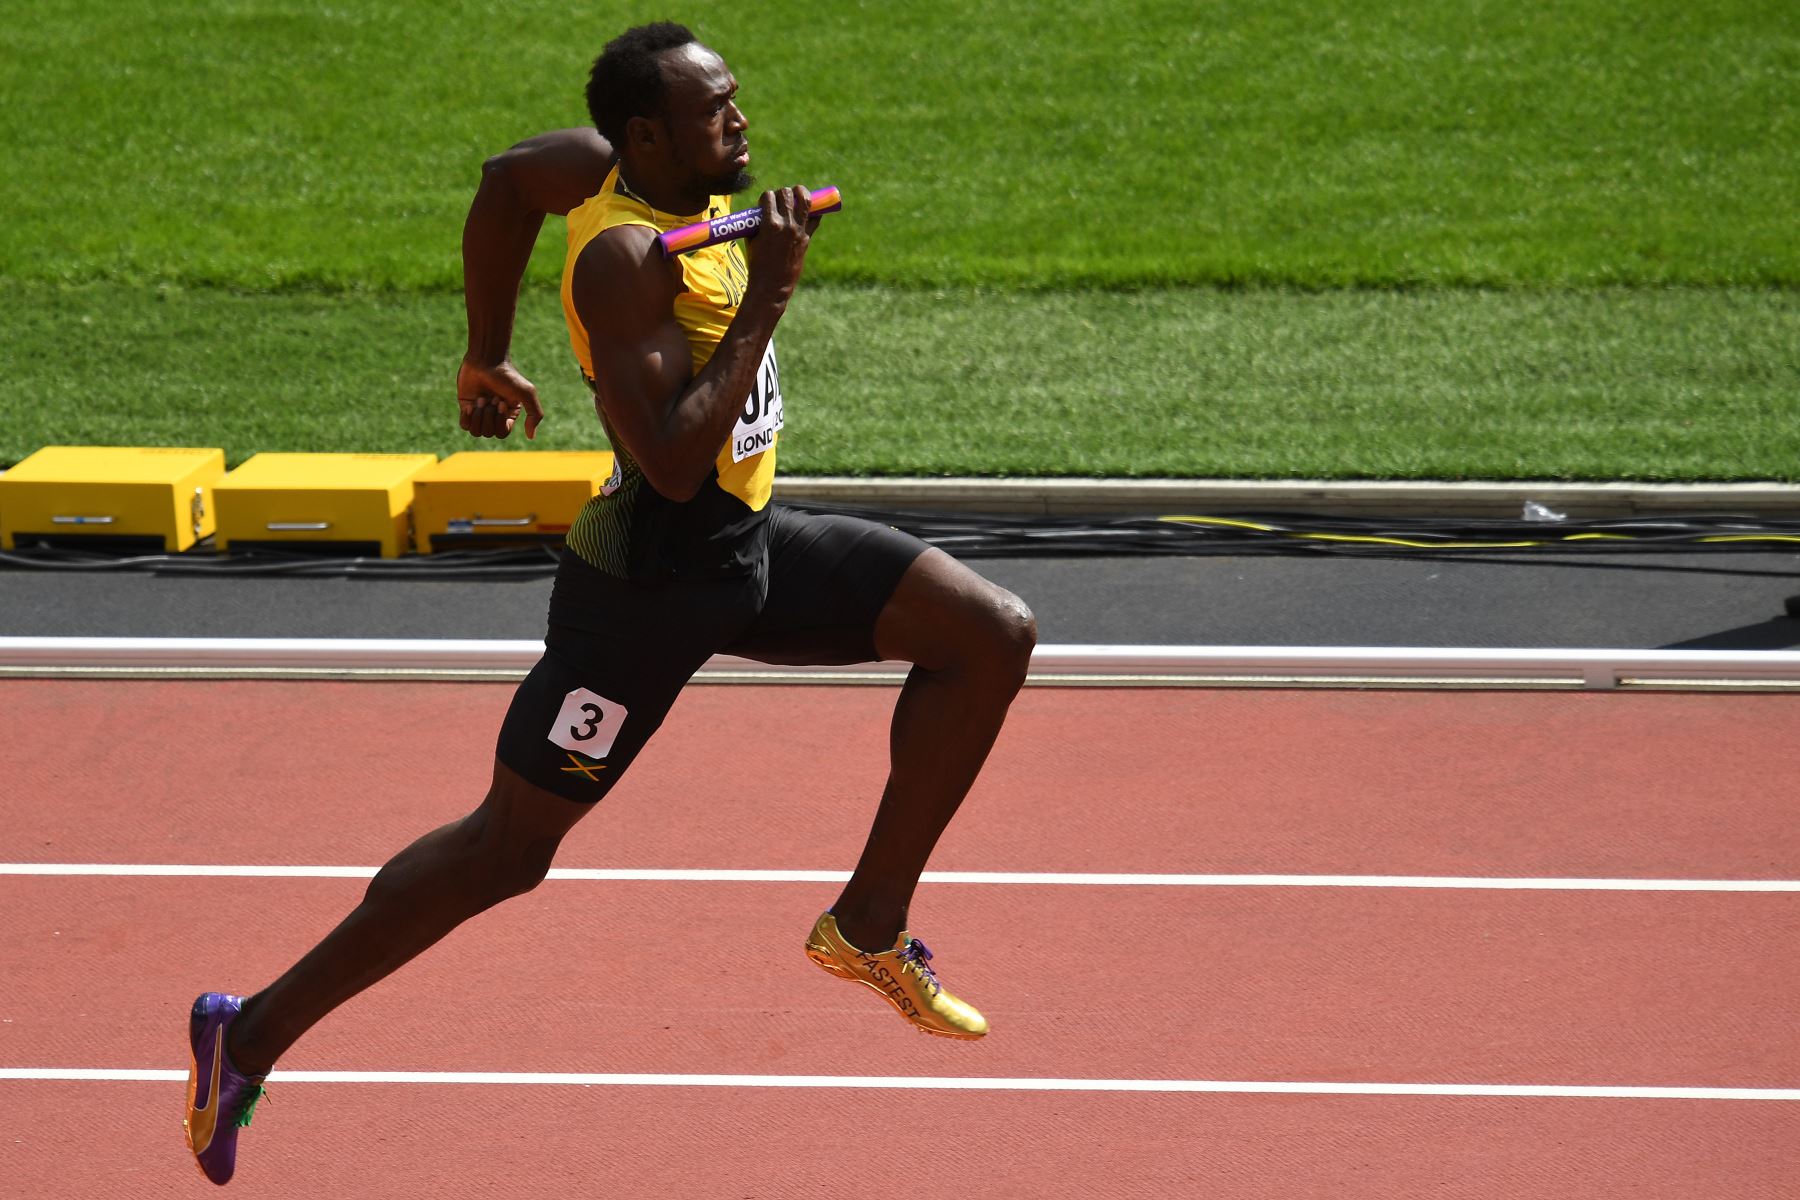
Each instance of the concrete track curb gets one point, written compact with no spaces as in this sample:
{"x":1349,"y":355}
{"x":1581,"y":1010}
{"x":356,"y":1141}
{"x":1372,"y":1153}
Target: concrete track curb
{"x":1159,"y":497}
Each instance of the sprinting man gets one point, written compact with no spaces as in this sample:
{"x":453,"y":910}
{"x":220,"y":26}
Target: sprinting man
{"x":682,"y":556}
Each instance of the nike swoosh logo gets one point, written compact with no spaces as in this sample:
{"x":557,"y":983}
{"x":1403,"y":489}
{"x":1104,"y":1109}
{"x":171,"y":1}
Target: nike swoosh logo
{"x":205,"y":1117}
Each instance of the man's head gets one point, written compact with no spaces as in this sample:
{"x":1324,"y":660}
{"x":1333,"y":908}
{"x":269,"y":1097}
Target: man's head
{"x":667,"y":104}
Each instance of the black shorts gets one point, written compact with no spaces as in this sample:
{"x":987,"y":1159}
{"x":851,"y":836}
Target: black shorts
{"x":618,"y":652}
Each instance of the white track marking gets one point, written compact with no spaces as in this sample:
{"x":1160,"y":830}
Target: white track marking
{"x":1598,"y":668}
{"x":1026,"y":878}
{"x":937,"y":1083}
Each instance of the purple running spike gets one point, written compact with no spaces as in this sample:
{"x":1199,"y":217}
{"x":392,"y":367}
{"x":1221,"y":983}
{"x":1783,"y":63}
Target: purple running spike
{"x":220,"y":1098}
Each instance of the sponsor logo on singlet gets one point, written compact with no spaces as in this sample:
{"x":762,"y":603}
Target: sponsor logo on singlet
{"x":761,"y":419}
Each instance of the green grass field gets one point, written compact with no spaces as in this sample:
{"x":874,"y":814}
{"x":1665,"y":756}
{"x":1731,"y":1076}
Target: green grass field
{"x":1330,"y":239}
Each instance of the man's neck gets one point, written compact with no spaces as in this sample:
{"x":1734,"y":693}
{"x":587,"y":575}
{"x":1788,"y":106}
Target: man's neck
{"x":661,"y":199}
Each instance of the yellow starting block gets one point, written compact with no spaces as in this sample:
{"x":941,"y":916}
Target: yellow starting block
{"x":487,"y":498}
{"x":342,"y":503}
{"x":119,"y":494}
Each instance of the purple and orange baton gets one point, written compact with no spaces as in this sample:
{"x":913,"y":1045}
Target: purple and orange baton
{"x":737,"y":225}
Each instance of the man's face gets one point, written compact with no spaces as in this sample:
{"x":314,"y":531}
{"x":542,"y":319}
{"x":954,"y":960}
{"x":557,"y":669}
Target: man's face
{"x":706,"y":128}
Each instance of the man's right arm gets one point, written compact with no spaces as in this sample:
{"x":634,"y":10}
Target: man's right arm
{"x":550,"y":173}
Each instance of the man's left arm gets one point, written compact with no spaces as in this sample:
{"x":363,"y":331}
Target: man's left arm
{"x":550,"y":173}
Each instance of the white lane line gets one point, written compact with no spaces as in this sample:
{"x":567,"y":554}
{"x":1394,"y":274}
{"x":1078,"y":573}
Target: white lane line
{"x":1600,"y":668}
{"x":1028,"y":878}
{"x":936,"y":1083}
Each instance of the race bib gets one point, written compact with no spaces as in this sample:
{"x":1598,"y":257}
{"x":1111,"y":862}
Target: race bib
{"x":587,"y":722}
{"x":761,"y":419}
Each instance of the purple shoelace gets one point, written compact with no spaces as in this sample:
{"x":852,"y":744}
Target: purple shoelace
{"x":920,"y":957}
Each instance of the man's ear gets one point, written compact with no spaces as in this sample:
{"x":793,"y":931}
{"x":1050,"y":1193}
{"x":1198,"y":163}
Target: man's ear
{"x":643,"y":133}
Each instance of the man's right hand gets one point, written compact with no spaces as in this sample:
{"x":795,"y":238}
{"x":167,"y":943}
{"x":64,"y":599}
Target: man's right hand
{"x":778,"y":251}
{"x":490,"y":398}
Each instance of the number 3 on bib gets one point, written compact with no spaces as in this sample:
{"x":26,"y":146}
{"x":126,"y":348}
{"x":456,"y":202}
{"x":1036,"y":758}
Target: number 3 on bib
{"x":587,"y":722}
{"x":761,"y":419}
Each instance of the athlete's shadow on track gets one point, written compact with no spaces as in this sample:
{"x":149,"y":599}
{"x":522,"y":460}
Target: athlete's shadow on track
{"x":1781,"y":633}
{"x":1778,"y":633}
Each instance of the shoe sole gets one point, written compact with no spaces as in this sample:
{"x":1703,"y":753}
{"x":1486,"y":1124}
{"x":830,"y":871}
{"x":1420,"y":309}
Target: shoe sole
{"x":187,"y":1129}
{"x":830,"y":962}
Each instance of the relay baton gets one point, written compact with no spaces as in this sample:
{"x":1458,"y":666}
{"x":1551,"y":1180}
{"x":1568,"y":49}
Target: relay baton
{"x":737,"y":225}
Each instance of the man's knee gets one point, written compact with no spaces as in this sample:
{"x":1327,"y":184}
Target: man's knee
{"x":993,"y":639}
{"x":499,"y":869}
{"x":471,"y":867}
{"x":945,"y":617}
{"x":1010,"y":632}
{"x":512,"y":838}
{"x":520,"y":869}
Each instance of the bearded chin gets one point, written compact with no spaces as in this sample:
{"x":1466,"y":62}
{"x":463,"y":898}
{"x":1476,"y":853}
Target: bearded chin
{"x":740,"y":180}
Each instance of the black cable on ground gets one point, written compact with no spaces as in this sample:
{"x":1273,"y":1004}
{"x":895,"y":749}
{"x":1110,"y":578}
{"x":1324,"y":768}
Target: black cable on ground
{"x":524,"y":562}
{"x":1002,"y":536}
{"x":987,"y":536}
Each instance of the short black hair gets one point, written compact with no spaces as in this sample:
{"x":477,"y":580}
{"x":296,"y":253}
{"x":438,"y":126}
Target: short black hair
{"x":627,"y":80}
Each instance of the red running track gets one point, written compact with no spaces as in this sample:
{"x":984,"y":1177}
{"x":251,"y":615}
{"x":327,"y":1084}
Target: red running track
{"x":1251,"y":984}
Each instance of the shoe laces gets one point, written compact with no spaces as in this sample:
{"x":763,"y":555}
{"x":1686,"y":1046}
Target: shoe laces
{"x":918,"y":958}
{"x":257,"y":1092}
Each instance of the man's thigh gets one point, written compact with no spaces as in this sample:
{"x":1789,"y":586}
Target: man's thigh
{"x":615,"y":657}
{"x":830,"y":576}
